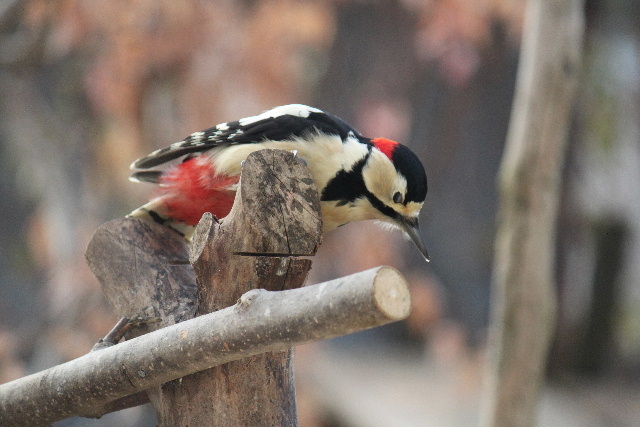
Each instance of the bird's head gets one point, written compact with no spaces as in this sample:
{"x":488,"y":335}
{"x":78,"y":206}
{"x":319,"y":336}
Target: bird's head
{"x":396,"y":185}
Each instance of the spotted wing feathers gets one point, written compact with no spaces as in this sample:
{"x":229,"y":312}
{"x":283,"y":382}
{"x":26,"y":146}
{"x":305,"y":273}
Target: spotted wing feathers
{"x":197,"y":142}
{"x":281,"y":123}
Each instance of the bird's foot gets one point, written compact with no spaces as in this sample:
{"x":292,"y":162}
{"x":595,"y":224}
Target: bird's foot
{"x":123,"y":326}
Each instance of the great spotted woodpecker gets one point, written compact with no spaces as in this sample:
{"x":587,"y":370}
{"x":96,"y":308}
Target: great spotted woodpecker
{"x":358,"y":178}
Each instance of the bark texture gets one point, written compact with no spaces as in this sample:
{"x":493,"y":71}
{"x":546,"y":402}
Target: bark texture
{"x":144,"y":273}
{"x":275,"y":217}
{"x":524,"y":287}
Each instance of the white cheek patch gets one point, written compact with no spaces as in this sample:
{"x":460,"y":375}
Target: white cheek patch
{"x":381,"y":178}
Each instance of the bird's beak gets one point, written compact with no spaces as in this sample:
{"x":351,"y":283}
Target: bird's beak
{"x":412,"y":228}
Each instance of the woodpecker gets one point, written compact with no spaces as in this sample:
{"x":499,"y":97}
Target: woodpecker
{"x":358,"y":178}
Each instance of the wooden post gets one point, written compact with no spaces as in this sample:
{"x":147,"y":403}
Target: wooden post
{"x":524,"y":305}
{"x":275,"y":217}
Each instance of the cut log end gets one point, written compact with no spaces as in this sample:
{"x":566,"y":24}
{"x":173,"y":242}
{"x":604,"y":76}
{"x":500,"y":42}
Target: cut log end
{"x":391,"y":294}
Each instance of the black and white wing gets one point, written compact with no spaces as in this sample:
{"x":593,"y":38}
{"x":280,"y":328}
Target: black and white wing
{"x":278,"y":124}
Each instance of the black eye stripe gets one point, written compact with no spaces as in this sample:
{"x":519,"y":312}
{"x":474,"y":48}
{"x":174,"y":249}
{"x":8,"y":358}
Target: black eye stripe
{"x":378,"y":204}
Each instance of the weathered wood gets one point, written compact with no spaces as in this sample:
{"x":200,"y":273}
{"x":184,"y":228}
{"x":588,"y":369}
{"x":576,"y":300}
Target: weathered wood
{"x":141,"y":268}
{"x":144,"y":273}
{"x":524,"y":291}
{"x":260,"y":321}
{"x":275,"y":217}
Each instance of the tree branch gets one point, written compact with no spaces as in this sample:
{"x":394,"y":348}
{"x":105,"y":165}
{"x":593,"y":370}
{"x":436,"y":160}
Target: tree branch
{"x":260,"y":321}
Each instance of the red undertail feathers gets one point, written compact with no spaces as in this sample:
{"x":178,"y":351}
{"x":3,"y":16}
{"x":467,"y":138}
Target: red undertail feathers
{"x":193,"y":188}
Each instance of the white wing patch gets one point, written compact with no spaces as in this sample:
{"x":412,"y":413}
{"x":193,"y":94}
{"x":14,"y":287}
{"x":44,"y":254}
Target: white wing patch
{"x":292,"y":109}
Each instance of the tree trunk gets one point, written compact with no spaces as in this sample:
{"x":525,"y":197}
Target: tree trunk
{"x":524,"y":303}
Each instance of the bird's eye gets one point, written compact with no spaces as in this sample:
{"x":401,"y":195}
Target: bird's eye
{"x":397,"y":198}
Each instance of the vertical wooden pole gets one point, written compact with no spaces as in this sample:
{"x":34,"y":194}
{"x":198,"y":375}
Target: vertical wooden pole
{"x":276,"y":217}
{"x":524,"y":289}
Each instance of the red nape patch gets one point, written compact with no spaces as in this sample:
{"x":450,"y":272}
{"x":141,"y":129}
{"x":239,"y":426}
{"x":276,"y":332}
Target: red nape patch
{"x":385,"y":145}
{"x":193,"y":188}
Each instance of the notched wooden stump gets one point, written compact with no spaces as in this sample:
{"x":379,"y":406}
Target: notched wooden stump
{"x":144,"y":272}
{"x":275,"y":218}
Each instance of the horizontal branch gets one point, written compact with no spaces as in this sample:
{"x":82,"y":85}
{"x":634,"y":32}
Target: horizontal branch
{"x":261,"y":321}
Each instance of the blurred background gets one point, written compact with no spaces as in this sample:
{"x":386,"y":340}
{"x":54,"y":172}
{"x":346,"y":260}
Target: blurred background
{"x":88,"y":87}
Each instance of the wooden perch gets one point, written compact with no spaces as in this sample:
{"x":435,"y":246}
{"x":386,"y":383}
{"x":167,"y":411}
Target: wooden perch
{"x":260,"y":321}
